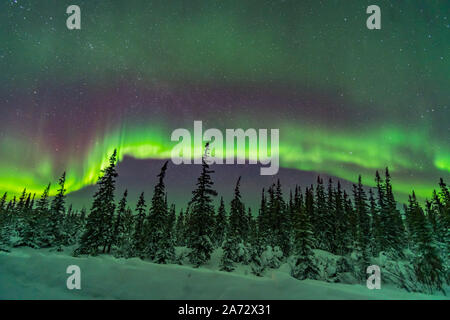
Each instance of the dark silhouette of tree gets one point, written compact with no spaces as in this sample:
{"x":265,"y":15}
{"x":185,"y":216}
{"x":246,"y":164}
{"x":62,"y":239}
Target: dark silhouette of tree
{"x":180,"y":229}
{"x":99,"y":222}
{"x":342,"y":224}
{"x":428,"y":265}
{"x":56,"y":217}
{"x":139,"y":235}
{"x":117,"y":234}
{"x":221,"y":224}
{"x":304,"y":267}
{"x":159,"y":248}
{"x":362,"y":243}
{"x":238,"y":222}
{"x":200,"y":222}
{"x":320,"y":220}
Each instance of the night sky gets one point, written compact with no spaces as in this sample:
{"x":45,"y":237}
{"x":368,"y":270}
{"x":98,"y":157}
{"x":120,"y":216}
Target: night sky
{"x":347,"y":100}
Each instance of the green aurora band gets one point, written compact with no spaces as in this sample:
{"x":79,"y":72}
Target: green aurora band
{"x":339,"y":154}
{"x":391,"y":86}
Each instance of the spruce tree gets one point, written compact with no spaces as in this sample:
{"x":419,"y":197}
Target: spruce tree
{"x":139,"y":235}
{"x":428,"y":265}
{"x":4,"y":222}
{"x":375,"y":228}
{"x":264,"y":221}
{"x":125,"y":242}
{"x":395,"y":227}
{"x":36,"y":235}
{"x":172,"y":219}
{"x":238,"y":226}
{"x":331,"y":228}
{"x":200,"y":224}
{"x":310,"y":211}
{"x":304,"y":267}
{"x":256,"y":264}
{"x":281,"y":221}
{"x":160,"y":246}
{"x":362,"y":244}
{"x":320,"y":220}
{"x":229,"y":253}
{"x":296,"y":207}
{"x":99,"y":222}
{"x":20,"y":218}
{"x":252,"y":229}
{"x":3,"y":202}
{"x":117,"y":234}
{"x":238,"y":222}
{"x":342,"y":226}
{"x":220,"y":225}
{"x":21,"y":203}
{"x":57,"y":213}
{"x":436,"y":214}
{"x":180,"y":229}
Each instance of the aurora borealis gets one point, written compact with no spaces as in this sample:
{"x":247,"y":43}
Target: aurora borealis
{"x":347,"y":100}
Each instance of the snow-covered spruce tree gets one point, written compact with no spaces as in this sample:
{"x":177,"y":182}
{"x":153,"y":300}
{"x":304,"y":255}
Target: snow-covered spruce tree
{"x":272,"y":239}
{"x":263,"y":221}
{"x":160,"y":246}
{"x":362,"y":244}
{"x":295,"y":207}
{"x":391,"y":223}
{"x":67,"y":227}
{"x":443,"y":218}
{"x":229,"y":253}
{"x":139,"y":235}
{"x":238,"y":222}
{"x":57,"y":215}
{"x":375,"y":227}
{"x":117,"y":234}
{"x":37,"y":225}
{"x":11,"y":236}
{"x":4,"y":223}
{"x":167,"y":250}
{"x":331,"y":231}
{"x":238,"y":226}
{"x":304,"y":267}
{"x":125,"y":243}
{"x":20,"y":218}
{"x":172,"y":219}
{"x":220,"y":225}
{"x":252,"y":229}
{"x":180,"y":229}
{"x":341,"y":223}
{"x":99,"y":221}
{"x":437,"y":214}
{"x":320,"y":219}
{"x":200,"y":221}
{"x":73,"y":227}
{"x":256,"y":263}
{"x":396,"y":227}
{"x":428,"y":266}
{"x":281,"y":222}
{"x":352,"y":232}
{"x":310,"y":210}
{"x":382,"y":212}
{"x":3,"y":202}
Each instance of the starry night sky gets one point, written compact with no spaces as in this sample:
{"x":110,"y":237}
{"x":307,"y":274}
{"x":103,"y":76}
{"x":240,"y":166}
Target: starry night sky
{"x":347,"y":100}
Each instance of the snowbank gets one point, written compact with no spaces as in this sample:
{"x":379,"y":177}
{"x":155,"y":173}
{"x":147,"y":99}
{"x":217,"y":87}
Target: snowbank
{"x":41,"y":274}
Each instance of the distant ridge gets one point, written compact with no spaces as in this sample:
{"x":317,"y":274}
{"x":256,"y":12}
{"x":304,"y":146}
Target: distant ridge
{"x":139,"y":175}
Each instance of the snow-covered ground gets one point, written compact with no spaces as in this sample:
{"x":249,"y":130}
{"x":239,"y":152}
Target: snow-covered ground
{"x":41,"y":274}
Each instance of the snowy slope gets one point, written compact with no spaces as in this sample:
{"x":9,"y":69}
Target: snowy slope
{"x":41,"y":274}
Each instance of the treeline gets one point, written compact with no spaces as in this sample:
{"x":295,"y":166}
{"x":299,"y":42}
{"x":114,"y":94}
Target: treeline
{"x":324,"y":216}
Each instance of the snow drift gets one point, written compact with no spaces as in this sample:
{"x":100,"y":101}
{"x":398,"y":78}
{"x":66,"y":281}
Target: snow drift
{"x":41,"y":274}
